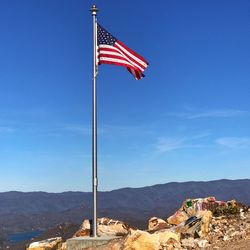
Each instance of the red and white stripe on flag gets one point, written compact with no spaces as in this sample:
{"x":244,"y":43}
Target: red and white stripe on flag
{"x":119,"y":54}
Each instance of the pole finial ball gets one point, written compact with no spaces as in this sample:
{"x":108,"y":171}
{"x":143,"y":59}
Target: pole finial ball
{"x":94,"y":9}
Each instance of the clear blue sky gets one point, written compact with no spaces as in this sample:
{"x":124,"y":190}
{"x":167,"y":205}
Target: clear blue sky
{"x":189,"y":119}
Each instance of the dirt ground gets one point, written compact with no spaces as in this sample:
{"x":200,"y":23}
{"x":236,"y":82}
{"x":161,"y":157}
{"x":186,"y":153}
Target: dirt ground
{"x":243,"y":244}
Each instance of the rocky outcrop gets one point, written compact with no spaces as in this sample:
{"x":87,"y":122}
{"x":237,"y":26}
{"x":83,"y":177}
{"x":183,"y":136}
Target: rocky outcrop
{"x":198,"y":224}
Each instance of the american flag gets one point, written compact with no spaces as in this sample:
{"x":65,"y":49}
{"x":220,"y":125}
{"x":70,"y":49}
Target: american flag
{"x":112,"y":51}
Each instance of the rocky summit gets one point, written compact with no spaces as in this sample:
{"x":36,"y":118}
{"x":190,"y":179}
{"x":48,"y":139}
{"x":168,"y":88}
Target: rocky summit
{"x":203,"y":223}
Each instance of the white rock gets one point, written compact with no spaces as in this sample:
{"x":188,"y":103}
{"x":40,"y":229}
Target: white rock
{"x":234,"y":233}
{"x":226,"y":238}
{"x":189,"y":242}
{"x":242,"y":216}
{"x":202,"y":243}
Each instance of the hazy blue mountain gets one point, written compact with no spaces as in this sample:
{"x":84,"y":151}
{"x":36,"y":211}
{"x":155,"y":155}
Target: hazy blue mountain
{"x":21,"y":211}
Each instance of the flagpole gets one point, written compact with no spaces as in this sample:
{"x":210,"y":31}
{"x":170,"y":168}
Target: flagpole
{"x":94,"y":124}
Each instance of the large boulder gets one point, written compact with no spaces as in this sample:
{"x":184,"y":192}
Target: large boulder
{"x":155,"y":224}
{"x":84,"y":230}
{"x":177,"y":218}
{"x":106,"y":226}
{"x":49,"y":244}
{"x":206,"y":218}
{"x":138,"y":240}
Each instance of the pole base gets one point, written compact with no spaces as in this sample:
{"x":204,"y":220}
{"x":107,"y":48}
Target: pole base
{"x":80,"y":243}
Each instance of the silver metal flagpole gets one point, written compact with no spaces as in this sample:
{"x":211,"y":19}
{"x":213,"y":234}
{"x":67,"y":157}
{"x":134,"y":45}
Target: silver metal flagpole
{"x":94,"y":124}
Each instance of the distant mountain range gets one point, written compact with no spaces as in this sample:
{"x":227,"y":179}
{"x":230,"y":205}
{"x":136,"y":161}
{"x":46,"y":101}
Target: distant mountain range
{"x":39,"y":210}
